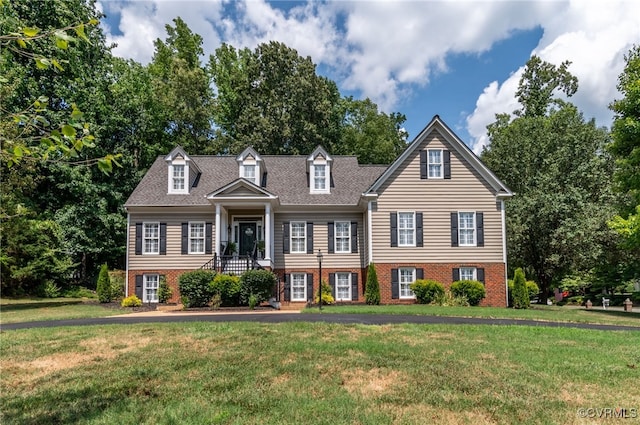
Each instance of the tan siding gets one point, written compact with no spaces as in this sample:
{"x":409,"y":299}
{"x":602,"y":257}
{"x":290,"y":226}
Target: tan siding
{"x":320,"y":235}
{"x":174,"y":258}
{"x":436,"y":199}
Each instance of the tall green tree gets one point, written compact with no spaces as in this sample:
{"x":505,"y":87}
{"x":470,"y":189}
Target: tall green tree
{"x":556,"y":163}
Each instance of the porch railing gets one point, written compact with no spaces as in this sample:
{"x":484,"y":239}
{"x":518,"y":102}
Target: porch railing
{"x":233,"y":263}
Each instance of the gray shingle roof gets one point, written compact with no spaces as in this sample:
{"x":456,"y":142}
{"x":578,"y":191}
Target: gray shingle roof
{"x":286,"y":178}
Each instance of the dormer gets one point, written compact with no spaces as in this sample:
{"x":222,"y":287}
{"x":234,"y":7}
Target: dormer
{"x":251,"y":166}
{"x":182,"y":172}
{"x":319,"y":167}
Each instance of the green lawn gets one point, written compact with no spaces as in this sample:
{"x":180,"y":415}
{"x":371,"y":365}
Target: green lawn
{"x":35,"y":309}
{"x":315,"y":373}
{"x":545,"y":313}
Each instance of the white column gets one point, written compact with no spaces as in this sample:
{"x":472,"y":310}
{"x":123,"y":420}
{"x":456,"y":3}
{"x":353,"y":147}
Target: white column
{"x":370,"y":230}
{"x":268,"y":229}
{"x":218,"y":230}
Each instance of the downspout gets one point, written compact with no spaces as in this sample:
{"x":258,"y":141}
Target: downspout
{"x":126,"y":277}
{"x":504,"y":251}
{"x":370,"y":230}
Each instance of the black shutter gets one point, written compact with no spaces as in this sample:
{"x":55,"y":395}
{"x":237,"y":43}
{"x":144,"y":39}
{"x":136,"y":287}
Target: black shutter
{"x":456,"y":274}
{"x":208,"y":234}
{"x":139,"y":289}
{"x":447,"y":164}
{"x":185,"y":239}
{"x":480,"y":274}
{"x":423,"y":165}
{"x":287,"y":287}
{"x":419,"y":232}
{"x":263,"y":183}
{"x":454,"y":229}
{"x":332,"y":283}
{"x":285,"y":237}
{"x":394,"y":229}
{"x":331,"y":183}
{"x":138,"y":238}
{"x":330,"y":237}
{"x":310,"y":287}
{"x":163,"y":238}
{"x":480,"y":229}
{"x":354,"y":286}
{"x":308,"y":177}
{"x":419,"y":274}
{"x":309,"y":238}
{"x":354,"y":237}
{"x":395,"y":284}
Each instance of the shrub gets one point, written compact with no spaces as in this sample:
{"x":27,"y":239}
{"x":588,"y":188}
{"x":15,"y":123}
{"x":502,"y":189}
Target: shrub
{"x":327,"y":298}
{"x":520,"y":293}
{"x":195,"y":287}
{"x":228,"y":288}
{"x":131,"y":301}
{"x":372,"y":290}
{"x":216,"y":302}
{"x":253,"y":301}
{"x":532,"y":290}
{"x":260,"y":283}
{"x":117,"y":283}
{"x":164,"y":291}
{"x":50,"y":290}
{"x":103,"y":287}
{"x":471,"y":289}
{"x":426,"y":290}
{"x":447,"y":299}
{"x":78,"y":292}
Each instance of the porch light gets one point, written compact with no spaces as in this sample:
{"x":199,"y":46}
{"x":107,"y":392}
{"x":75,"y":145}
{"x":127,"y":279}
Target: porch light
{"x":319,"y":257}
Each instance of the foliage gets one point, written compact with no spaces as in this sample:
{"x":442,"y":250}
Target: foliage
{"x":427,"y":290}
{"x":51,"y":290}
{"x":629,"y":230}
{"x":327,"y":298}
{"x":253,"y":301}
{"x":578,"y":283}
{"x":131,"y":301}
{"x":216,"y":302}
{"x":447,"y":299}
{"x":532,"y":289}
{"x":372,"y":290}
{"x":78,"y":292}
{"x":195,"y":287}
{"x":164,"y":290}
{"x":228,"y":288}
{"x":520,"y":293}
{"x":260,"y":283}
{"x":117,"y":278}
{"x":103,"y":287}
{"x":471,"y":289}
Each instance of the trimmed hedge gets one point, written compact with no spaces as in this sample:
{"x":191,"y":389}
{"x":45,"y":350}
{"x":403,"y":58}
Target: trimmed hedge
{"x":195,"y":288}
{"x":257,"y":283}
{"x":228,"y":288}
{"x":427,"y":290}
{"x":471,"y":289}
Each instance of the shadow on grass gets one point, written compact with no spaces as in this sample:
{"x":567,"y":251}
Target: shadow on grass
{"x":615,"y":313}
{"x":37,"y":305}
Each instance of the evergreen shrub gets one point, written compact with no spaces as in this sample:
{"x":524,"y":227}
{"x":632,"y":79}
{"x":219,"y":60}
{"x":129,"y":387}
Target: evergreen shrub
{"x":427,"y":290}
{"x":471,"y":289}
{"x":195,"y":287}
{"x":372,"y":289}
{"x":103,"y":287}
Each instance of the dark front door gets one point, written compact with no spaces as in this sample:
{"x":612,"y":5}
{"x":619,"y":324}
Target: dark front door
{"x":247,"y":238}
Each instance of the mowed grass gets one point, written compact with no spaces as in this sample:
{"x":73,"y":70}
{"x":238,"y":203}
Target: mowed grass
{"x":30,"y":310}
{"x":314,"y":373}
{"x":544,"y":313}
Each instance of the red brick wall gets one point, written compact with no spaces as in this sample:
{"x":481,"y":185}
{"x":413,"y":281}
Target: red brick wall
{"x":325,"y":275}
{"x":172,"y":280}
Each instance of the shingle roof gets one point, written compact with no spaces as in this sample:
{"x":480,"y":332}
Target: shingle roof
{"x":286,"y":178}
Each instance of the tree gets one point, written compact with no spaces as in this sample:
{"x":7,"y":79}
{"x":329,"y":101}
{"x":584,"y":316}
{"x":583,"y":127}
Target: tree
{"x":103,"y":287}
{"x":557,"y":165}
{"x":520,"y":292}
{"x":372,"y":290}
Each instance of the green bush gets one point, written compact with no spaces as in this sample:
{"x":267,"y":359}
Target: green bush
{"x":78,"y":292}
{"x":216,"y":302}
{"x":164,"y":291}
{"x":471,"y":289}
{"x":447,"y":299}
{"x":260,"y":283}
{"x":117,"y":278}
{"x":195,"y":287}
{"x":532,"y":290}
{"x":50,"y":290}
{"x":327,"y":298}
{"x":520,"y":293}
{"x":372,"y":290}
{"x":228,"y":288}
{"x":131,"y":301}
{"x":426,"y":290}
{"x":103,"y":287}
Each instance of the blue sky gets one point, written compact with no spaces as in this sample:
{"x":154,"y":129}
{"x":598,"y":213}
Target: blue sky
{"x":458,"y":59}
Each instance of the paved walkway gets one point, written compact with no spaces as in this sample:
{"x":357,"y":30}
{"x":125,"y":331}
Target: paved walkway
{"x":277,"y":316}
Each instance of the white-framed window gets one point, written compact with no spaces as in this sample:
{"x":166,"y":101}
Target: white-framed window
{"x":320,"y":177}
{"x":196,"y":238}
{"x":468,"y":273}
{"x":151,"y":282}
{"x":406,"y":277}
{"x":298,"y":232}
{"x":342,"y":230}
{"x":249,"y":172}
{"x":435,"y":165}
{"x":177,"y":178}
{"x":467,"y":228}
{"x":406,"y":229}
{"x":343,"y":286}
{"x":298,"y":286}
{"x":151,"y":238}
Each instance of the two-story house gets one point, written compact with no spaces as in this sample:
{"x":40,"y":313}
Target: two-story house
{"x":437,"y":212}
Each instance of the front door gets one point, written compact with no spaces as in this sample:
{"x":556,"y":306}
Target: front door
{"x":248,"y":234}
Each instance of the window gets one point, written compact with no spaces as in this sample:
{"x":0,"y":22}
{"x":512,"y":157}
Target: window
{"x":343,"y":286}
{"x":178,"y":178}
{"x":319,"y":177}
{"x":407,"y":277}
{"x":151,"y":238}
{"x":151,"y":284}
{"x":343,"y":236}
{"x":298,"y":237}
{"x":435,"y":163}
{"x":250,"y":172}
{"x":468,"y":273}
{"x":196,"y":238}
{"x":298,"y":287}
{"x":467,"y":228}
{"x":406,"y":229}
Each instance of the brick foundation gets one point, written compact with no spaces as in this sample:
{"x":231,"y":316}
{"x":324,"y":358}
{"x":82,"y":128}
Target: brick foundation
{"x":172,"y":276}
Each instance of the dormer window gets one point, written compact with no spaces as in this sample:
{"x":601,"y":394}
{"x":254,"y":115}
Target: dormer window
{"x":250,"y":166}
{"x":320,"y":177}
{"x":319,"y":165}
{"x":182,"y":172}
{"x":178,"y":178}
{"x":249,"y":172}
